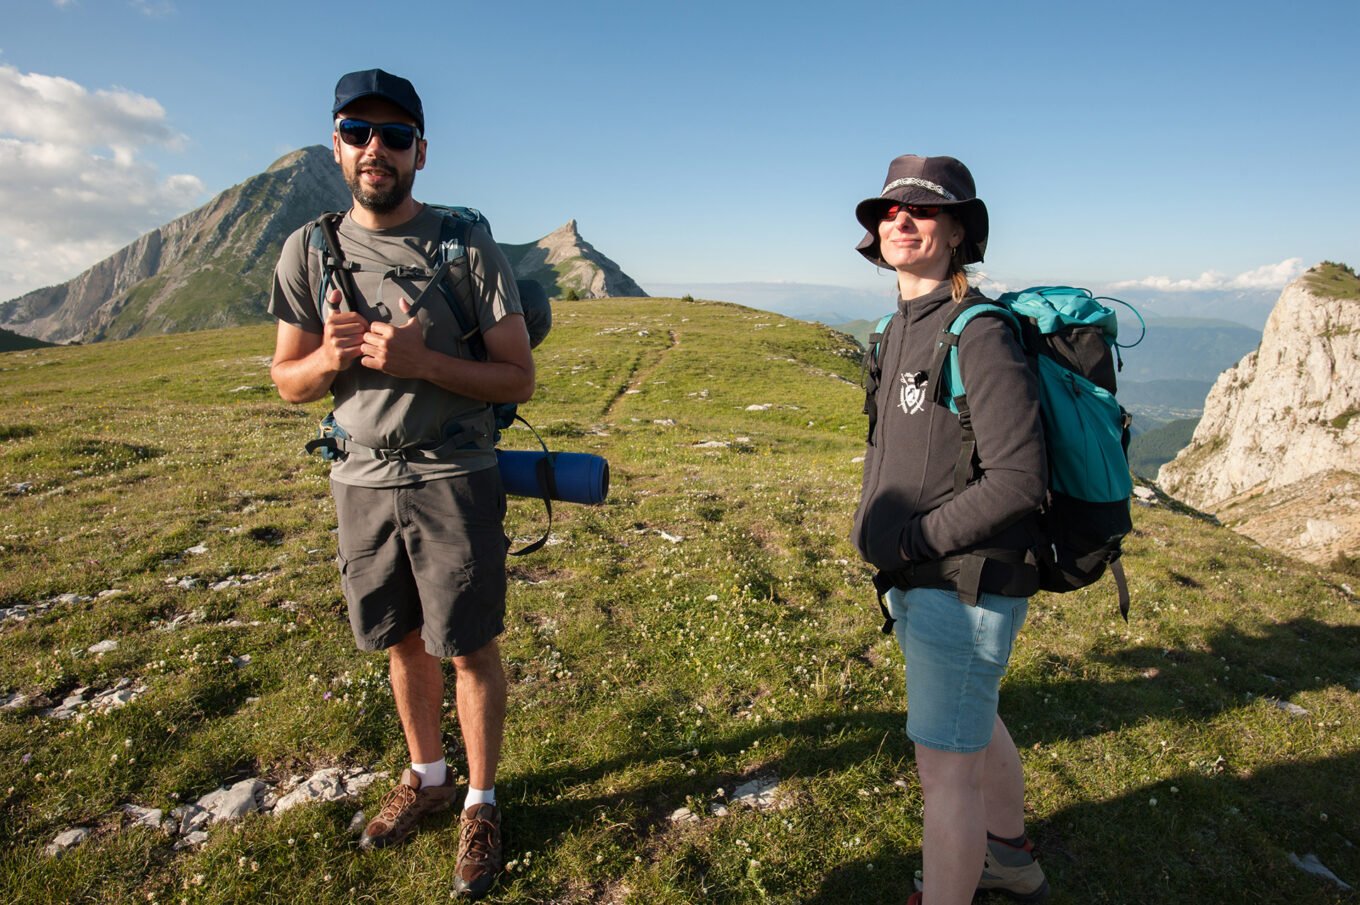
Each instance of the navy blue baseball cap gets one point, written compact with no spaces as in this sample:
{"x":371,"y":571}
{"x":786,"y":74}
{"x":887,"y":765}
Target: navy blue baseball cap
{"x":377,"y":83}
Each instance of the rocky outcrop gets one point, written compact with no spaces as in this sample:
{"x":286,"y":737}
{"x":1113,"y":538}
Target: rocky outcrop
{"x":1277,"y":452}
{"x":568,"y":265}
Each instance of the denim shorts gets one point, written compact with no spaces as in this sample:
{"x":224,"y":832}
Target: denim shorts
{"x":956,"y":655}
{"x":429,"y":556}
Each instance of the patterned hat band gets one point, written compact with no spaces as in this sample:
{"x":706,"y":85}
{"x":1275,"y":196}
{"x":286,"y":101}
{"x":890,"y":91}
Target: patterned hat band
{"x":919,"y":183}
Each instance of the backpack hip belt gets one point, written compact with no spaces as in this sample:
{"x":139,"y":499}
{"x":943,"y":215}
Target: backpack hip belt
{"x":1012,"y":573}
{"x":335,"y":442}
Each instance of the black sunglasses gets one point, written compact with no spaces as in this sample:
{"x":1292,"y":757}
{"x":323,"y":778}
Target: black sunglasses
{"x":914,"y":211}
{"x":358,"y":132}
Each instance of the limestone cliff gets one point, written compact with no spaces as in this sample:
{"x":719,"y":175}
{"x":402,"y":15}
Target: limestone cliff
{"x":1277,"y":452}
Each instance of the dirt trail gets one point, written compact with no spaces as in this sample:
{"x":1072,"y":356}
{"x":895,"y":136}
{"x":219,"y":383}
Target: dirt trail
{"x":641,"y":372}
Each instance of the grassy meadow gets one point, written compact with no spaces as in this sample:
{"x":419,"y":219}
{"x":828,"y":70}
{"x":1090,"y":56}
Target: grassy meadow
{"x":708,"y":626}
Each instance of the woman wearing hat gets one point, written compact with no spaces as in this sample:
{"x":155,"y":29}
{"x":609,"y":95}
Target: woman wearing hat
{"x":949,"y":524}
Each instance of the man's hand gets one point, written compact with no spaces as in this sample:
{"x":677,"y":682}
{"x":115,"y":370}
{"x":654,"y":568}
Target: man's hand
{"x":396,"y":351}
{"x":343,"y":335}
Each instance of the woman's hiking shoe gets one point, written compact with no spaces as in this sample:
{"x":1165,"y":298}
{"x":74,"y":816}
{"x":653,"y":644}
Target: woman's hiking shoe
{"x":1012,"y":871}
{"x":402,"y":808}
{"x":479,"y":851}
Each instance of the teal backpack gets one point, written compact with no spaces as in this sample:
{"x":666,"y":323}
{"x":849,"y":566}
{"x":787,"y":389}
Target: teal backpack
{"x":1070,"y":339}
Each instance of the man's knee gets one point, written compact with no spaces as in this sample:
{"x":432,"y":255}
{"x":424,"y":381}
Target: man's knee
{"x":484,"y":660}
{"x":409,"y":646}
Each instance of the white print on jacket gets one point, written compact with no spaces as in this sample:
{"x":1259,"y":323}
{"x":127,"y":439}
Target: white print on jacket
{"x":912,"y":396}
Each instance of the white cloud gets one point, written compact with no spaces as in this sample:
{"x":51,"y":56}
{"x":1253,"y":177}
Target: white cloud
{"x":154,"y":8}
{"x":74,"y":184}
{"x":1268,"y":276}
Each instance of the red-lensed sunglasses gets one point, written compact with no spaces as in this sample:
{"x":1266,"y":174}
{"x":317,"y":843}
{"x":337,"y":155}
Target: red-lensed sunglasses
{"x":914,"y":211}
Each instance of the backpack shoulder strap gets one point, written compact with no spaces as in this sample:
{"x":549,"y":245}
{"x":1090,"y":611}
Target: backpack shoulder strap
{"x":945,"y":373}
{"x":872,"y":369}
{"x":454,"y":276}
{"x":946,"y":376}
{"x":321,"y":237}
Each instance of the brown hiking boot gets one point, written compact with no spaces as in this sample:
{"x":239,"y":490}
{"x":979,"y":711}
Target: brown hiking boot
{"x":479,"y":851}
{"x":402,"y":807}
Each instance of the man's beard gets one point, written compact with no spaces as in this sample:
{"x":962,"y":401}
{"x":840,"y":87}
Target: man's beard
{"x":380,"y":202}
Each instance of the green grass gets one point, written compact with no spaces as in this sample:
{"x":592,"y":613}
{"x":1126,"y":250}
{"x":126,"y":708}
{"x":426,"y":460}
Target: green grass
{"x":1341,"y":421}
{"x":1332,"y":280}
{"x":1151,"y":450}
{"x":646,"y":672}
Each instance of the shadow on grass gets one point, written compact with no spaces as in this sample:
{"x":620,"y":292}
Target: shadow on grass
{"x":1211,"y":837}
{"x":1216,"y":833}
{"x":1228,"y":671}
{"x":1220,"y":838}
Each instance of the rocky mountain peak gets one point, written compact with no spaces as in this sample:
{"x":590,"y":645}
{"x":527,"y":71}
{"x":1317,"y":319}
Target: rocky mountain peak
{"x":1277,"y":451}
{"x":311,"y":156}
{"x":567,"y":265}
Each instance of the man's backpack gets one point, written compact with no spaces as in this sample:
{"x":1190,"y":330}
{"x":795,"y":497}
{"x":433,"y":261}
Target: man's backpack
{"x":450,"y":278}
{"x":1070,"y":339}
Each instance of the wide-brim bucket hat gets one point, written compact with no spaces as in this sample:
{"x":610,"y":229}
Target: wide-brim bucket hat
{"x":939,"y":181}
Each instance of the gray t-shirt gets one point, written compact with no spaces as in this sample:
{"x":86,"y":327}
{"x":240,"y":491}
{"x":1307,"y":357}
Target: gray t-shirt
{"x":386,"y":412}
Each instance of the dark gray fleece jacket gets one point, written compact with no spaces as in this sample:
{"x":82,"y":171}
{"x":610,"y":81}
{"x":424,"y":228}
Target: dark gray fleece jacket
{"x":908,"y":510}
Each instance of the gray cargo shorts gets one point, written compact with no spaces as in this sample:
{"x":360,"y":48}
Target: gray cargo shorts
{"x":428,"y":556}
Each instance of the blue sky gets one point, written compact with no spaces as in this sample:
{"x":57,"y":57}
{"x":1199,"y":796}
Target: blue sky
{"x":1208,"y":145}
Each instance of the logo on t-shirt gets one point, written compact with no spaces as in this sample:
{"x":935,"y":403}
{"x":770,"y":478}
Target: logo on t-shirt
{"x":911,"y":398}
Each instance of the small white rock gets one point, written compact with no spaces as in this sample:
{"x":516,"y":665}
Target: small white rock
{"x":147,"y":817}
{"x":66,"y":841}
{"x":1289,"y":707}
{"x":1310,"y":864}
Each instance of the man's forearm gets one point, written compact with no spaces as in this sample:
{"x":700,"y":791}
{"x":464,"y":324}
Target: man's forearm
{"x":304,"y":379}
{"x":488,"y":381}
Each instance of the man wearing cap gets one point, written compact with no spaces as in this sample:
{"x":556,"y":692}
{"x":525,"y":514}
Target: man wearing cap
{"x":418,"y":496}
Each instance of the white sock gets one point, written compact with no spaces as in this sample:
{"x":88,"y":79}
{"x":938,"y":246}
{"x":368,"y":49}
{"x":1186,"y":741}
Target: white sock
{"x":435,"y":773}
{"x":479,"y":796}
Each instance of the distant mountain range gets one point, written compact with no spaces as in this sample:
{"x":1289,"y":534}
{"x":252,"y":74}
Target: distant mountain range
{"x":212,"y":267}
{"x":837,"y":306}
